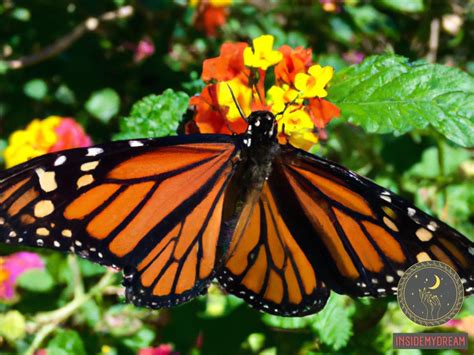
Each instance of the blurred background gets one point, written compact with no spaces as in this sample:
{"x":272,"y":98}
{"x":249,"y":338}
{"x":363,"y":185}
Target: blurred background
{"x":92,"y":60}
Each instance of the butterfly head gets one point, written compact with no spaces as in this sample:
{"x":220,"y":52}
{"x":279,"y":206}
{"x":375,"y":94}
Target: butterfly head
{"x":262,"y":127}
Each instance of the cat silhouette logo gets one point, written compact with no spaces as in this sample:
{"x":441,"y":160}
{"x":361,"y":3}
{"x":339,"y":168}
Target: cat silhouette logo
{"x":430,"y":293}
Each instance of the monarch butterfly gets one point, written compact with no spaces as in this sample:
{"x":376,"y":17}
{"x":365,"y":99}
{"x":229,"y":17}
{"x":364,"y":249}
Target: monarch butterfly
{"x":277,"y":226}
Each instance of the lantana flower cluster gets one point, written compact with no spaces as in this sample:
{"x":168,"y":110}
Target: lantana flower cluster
{"x":295,"y":97}
{"x":51,"y":134}
{"x":12,"y":267}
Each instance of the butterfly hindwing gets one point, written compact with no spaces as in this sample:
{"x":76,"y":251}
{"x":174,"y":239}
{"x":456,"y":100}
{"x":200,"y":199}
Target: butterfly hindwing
{"x":369,"y":234}
{"x":267,"y":265}
{"x":152,"y":207}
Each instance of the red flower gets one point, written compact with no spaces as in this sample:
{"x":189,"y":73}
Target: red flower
{"x":294,"y":61}
{"x":322,"y":111}
{"x":163,"y":349}
{"x":228,"y":65}
{"x":209,"y":18}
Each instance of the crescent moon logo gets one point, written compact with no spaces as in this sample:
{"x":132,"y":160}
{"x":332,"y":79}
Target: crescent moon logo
{"x":436,"y":284}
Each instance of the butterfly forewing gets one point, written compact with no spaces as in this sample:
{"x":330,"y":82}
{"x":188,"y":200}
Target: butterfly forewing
{"x":153,"y":207}
{"x":369,"y":234}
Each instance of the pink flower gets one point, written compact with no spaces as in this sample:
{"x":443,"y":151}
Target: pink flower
{"x":163,"y":349}
{"x":70,"y":135}
{"x":465,"y":324}
{"x":353,"y":57}
{"x":144,"y":49}
{"x":12,"y":266}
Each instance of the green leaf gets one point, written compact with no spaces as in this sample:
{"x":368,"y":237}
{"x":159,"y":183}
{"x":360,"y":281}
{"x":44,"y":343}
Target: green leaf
{"x":371,"y":21}
{"x":21,"y":14}
{"x":154,"y":116}
{"x":65,"y":95}
{"x":428,"y":167}
{"x":285,"y":322}
{"x":89,"y":269}
{"x":90,"y":312}
{"x":36,"y":89}
{"x":66,"y":342}
{"x":3,"y":67}
{"x":387,"y":94}
{"x":333,"y":323}
{"x":36,"y":281}
{"x":103,"y":104}
{"x":141,"y":339}
{"x":403,"y":5}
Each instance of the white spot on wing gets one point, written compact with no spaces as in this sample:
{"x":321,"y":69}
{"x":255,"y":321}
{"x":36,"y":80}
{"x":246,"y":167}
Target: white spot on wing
{"x":386,"y":198}
{"x":60,"y":160}
{"x":411,"y":211}
{"x":92,"y":152}
{"x":135,"y":144}
{"x":433,"y":226}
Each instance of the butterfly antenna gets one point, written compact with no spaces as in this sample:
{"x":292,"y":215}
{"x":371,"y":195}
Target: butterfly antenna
{"x":288,"y":104}
{"x":237,"y":104}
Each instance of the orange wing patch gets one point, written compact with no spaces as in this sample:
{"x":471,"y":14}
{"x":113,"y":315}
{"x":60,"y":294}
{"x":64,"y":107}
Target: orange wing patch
{"x":168,"y":159}
{"x":169,"y":195}
{"x":172,"y":266}
{"x":337,"y":192}
{"x":265,"y":259}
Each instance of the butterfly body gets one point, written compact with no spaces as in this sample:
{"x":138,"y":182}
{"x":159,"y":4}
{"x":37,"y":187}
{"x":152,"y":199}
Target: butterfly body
{"x":275,"y":225}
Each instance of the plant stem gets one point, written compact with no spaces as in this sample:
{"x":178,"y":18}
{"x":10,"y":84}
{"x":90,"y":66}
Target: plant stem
{"x":76,"y":275}
{"x":46,"y":323}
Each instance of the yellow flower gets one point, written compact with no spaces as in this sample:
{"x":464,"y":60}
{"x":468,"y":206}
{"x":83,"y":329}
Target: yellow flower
{"x":32,"y":142}
{"x":278,"y":96}
{"x":214,"y":3}
{"x":263,"y":55}
{"x":242,"y":93}
{"x":298,"y":128}
{"x":312,"y":85}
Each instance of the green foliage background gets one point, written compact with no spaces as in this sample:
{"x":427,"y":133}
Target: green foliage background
{"x":407,"y":122}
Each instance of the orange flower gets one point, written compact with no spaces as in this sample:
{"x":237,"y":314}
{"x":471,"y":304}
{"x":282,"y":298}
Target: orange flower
{"x":210,"y":117}
{"x":211,"y":15}
{"x":228,"y":65}
{"x":294,"y":61}
{"x":322,"y":112}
